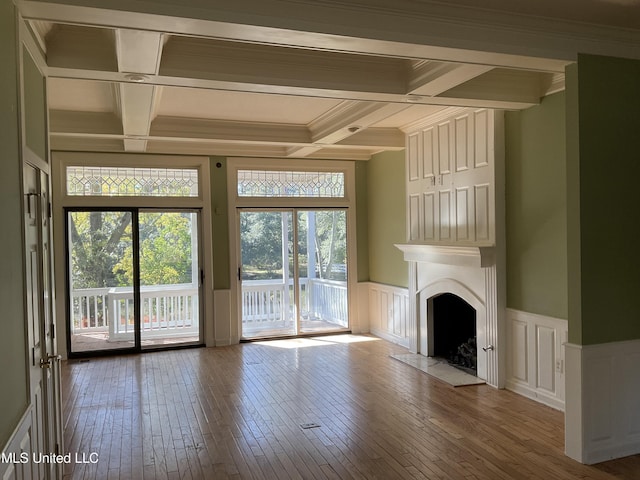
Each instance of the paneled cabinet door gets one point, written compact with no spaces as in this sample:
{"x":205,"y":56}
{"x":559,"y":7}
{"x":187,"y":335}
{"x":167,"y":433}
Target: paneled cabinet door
{"x":450,"y":181}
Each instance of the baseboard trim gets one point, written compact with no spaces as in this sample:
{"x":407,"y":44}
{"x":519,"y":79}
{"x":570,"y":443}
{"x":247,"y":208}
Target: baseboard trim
{"x":534,"y":394}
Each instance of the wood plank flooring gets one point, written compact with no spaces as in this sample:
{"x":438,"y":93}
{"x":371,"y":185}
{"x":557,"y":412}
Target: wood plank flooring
{"x":236,"y":412}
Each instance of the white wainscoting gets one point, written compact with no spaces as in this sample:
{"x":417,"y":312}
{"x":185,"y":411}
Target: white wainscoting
{"x":535,"y":357}
{"x":225,"y":330}
{"x":389,"y":313}
{"x":603,"y":401}
{"x":17,"y":450}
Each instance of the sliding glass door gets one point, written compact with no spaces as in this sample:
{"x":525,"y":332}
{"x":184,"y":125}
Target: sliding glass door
{"x":322,"y":270}
{"x":293,"y":272}
{"x":169,"y":278}
{"x":134,"y":279}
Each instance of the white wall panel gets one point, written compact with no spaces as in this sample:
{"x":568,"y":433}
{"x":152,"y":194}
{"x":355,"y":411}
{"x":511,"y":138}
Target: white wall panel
{"x":482,"y":212}
{"x":20,"y":443}
{"x":631,"y":394}
{"x":415,"y":222}
{"x":599,"y":384}
{"x":389,"y":312}
{"x":546,"y":358}
{"x":605,"y":386}
{"x":444,"y":219}
{"x":481,"y":135}
{"x":428,"y":156}
{"x":535,"y":357}
{"x":414,"y":152}
{"x":463,"y":225}
{"x":429,"y":216}
{"x":518,"y":360}
{"x":444,"y":149}
{"x":462,"y":144}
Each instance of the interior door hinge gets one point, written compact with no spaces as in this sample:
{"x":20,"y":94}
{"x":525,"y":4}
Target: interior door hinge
{"x":201,"y":276}
{"x":239,"y":273}
{"x":49,"y":209}
{"x":53,"y":330}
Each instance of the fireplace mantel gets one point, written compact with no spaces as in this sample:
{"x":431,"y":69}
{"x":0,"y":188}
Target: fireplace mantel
{"x":465,"y":256}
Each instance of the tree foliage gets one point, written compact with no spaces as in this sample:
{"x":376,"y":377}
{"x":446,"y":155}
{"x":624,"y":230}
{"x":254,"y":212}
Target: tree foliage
{"x":102,"y":248}
{"x":261,"y":243}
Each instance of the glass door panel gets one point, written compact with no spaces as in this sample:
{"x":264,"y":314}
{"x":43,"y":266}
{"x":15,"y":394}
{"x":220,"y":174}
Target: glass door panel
{"x":101,"y":301}
{"x":322,"y":270}
{"x":169,"y":278}
{"x":266,"y":274}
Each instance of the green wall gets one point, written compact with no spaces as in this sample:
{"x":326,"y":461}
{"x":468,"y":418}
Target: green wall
{"x":608,"y":164}
{"x":386,"y":218}
{"x":220,"y":224}
{"x":536,"y":218}
{"x":13,"y":376}
{"x":362,"y":220}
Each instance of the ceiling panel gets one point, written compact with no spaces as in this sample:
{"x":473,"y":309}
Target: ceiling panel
{"x":255,"y":107}
{"x":80,"y":95}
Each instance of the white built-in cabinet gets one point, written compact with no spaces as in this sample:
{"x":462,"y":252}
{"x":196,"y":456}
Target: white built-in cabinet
{"x":450,"y":181}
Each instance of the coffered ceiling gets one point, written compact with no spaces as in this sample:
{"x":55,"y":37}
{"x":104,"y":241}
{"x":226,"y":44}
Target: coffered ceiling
{"x":159,"y":90}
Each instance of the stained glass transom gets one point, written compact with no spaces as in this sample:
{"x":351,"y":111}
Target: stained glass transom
{"x":265,"y":183}
{"x":132,"y":182}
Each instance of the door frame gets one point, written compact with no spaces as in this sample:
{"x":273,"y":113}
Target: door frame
{"x":137,"y":346}
{"x":295,"y":274}
{"x":42,"y":364}
{"x":235,"y":202}
{"x":61,"y":160}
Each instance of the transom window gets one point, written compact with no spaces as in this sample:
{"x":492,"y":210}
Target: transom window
{"x":275,"y":183}
{"x":91,"y":181}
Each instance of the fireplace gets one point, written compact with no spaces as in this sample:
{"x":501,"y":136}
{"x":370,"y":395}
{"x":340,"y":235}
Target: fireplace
{"x":470,"y":274}
{"x":454,"y":331}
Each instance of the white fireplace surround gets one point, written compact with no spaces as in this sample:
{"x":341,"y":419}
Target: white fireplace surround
{"x":470,"y":272}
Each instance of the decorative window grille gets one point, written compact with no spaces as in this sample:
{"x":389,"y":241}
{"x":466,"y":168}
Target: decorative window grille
{"x":132,"y":182}
{"x":265,"y":183}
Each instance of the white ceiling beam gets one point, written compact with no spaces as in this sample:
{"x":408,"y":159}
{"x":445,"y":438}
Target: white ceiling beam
{"x":67,"y":123}
{"x":383,"y":138}
{"x":138,"y":55}
{"x":412,"y":30}
{"x":346,"y":119}
{"x":231,"y":131}
{"x":138,"y":51}
{"x":349,"y":118}
{"x":513,"y":102}
{"x":502,"y":85}
{"x":432,"y":78}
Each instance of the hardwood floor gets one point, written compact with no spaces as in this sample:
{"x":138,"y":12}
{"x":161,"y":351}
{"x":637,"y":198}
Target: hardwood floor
{"x":236,"y":412}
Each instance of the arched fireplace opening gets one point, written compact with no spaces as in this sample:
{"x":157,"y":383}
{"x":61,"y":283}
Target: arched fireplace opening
{"x":454,"y":331}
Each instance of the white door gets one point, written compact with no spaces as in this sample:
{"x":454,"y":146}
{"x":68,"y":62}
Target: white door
{"x":44,"y":369}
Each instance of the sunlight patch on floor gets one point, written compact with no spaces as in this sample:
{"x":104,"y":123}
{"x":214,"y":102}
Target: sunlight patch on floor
{"x":316,"y":341}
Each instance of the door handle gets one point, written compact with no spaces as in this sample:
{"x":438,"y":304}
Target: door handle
{"x":46,"y":362}
{"x":488,"y":348}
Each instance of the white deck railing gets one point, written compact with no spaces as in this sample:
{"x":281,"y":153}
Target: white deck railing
{"x":172,"y":310}
{"x":264,"y":303}
{"x":167,"y":311}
